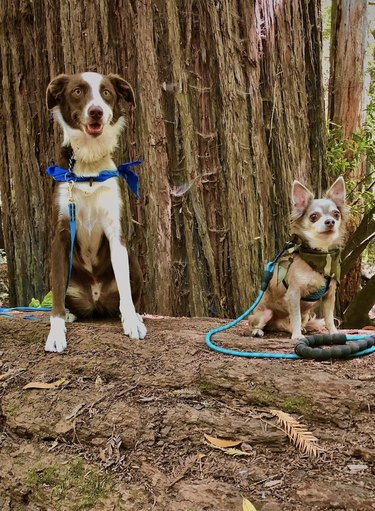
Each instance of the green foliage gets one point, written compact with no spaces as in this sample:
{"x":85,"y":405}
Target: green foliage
{"x":344,"y":156}
{"x":47,"y":301}
{"x":326,"y":18}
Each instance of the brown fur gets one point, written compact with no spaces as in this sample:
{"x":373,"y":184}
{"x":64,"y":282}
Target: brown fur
{"x":81,"y":302}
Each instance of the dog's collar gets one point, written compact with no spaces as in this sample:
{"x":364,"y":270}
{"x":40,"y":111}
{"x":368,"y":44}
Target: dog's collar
{"x":66,"y":176}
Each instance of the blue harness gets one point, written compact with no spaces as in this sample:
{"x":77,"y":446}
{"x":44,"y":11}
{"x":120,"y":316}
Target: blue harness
{"x":67,"y":176}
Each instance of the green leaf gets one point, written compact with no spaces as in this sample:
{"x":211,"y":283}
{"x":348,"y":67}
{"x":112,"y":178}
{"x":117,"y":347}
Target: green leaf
{"x":34,"y":303}
{"x":47,"y":300}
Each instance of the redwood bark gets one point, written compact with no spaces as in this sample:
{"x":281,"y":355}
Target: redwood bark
{"x":349,"y":29}
{"x":229,"y":112}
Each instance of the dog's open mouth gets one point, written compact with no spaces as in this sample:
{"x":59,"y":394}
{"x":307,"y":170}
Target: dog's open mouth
{"x":94,"y":129}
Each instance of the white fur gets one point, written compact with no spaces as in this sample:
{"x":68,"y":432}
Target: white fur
{"x":88,"y":149}
{"x":94,"y":80}
{"x":56,"y":340}
{"x":98,"y":211}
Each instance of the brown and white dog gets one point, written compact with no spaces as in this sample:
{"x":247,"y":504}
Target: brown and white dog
{"x":88,"y":107}
{"x":320,"y":226}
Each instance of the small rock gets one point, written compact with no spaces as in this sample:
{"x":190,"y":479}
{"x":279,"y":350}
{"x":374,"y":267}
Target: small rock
{"x":357,"y":468}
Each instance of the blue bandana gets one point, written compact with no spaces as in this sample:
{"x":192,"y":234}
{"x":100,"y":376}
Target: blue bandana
{"x":65,"y":176}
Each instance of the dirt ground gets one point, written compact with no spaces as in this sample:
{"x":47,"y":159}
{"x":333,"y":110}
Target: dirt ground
{"x":125,"y":430}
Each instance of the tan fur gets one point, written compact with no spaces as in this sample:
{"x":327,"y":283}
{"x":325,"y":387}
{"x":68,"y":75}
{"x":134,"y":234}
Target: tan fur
{"x":282,"y":308}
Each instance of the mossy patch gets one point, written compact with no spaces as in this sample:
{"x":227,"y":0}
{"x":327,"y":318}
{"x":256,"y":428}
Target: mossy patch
{"x":207,"y":388}
{"x":297,"y":404}
{"x":75,"y":484}
{"x":263,"y":396}
{"x":10,"y":407}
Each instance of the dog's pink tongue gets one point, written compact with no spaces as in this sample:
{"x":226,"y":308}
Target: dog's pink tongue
{"x":94,"y":128}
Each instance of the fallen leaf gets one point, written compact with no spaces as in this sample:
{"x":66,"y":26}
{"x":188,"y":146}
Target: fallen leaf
{"x":247,"y":505}
{"x":230,"y":450}
{"x":236,"y":452}
{"x":43,"y":385}
{"x":220,"y":442}
{"x":275,"y":482}
{"x":98,"y":380}
{"x":74,"y":412}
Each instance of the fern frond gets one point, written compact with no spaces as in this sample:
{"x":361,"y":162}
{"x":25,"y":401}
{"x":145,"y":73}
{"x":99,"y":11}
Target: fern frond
{"x":298,"y":433}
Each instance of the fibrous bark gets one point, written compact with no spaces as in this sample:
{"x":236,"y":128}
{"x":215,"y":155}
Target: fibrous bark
{"x":229,"y":112}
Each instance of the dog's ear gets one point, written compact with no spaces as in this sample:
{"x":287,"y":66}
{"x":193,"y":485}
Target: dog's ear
{"x":55,"y":90}
{"x":123,"y":88}
{"x":301,"y":197}
{"x":337,"y":192}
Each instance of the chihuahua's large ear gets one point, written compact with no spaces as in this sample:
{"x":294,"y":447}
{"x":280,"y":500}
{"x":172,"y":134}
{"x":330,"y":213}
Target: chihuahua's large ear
{"x":301,"y":197}
{"x":337,"y":192}
{"x":55,"y":89}
{"x":123,"y":88}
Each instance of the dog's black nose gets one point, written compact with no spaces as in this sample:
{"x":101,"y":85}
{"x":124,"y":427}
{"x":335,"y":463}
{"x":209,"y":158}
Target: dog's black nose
{"x":329,"y":222}
{"x":95,"y":112}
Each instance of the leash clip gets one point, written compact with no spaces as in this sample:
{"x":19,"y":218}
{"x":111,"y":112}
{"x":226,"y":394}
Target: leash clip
{"x":70,"y":190}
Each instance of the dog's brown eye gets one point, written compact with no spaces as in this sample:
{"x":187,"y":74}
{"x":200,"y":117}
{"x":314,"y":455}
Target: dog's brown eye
{"x":314,"y":217}
{"x":336,"y":214}
{"x":77,"y":92}
{"x":106,"y":93}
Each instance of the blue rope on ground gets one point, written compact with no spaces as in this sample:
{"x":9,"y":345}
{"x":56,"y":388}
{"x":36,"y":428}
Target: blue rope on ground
{"x":267,"y":275}
{"x":5,"y":311}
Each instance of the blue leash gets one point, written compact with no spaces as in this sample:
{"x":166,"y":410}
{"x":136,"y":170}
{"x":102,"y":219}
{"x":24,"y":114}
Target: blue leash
{"x":267,"y":275}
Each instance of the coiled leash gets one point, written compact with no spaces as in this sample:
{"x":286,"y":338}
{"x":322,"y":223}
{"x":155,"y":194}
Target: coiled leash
{"x":306,"y":347}
{"x":67,"y":176}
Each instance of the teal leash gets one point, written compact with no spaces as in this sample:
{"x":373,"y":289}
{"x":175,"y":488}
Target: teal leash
{"x":307,"y":347}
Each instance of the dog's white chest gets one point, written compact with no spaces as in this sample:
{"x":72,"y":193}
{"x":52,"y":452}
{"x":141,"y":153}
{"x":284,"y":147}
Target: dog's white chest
{"x":98,"y":209}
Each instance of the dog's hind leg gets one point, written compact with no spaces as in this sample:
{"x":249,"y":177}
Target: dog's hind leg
{"x":258,"y":320}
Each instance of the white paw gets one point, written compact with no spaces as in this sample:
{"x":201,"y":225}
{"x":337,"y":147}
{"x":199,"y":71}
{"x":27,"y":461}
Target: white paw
{"x":133,"y":326}
{"x":333,"y":330}
{"x":296,"y":336}
{"x":56,"y":340}
{"x":257,"y":332}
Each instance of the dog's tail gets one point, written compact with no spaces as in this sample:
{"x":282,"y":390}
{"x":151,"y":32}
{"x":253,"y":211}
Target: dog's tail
{"x":315,"y":324}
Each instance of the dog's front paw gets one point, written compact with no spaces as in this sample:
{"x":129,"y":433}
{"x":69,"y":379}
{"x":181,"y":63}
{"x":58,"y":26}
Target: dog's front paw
{"x":296,"y":336}
{"x":333,"y":330}
{"x":133,"y":326}
{"x":257,"y":332}
{"x":56,"y":340}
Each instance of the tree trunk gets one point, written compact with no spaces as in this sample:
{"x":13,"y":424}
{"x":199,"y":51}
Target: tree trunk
{"x":345,"y":98}
{"x":230,"y":111}
{"x":357,"y":314}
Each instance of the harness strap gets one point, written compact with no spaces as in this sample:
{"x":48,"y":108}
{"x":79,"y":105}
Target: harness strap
{"x":315,"y":295}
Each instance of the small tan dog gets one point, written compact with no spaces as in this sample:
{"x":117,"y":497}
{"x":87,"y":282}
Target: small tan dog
{"x":309,"y":271}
